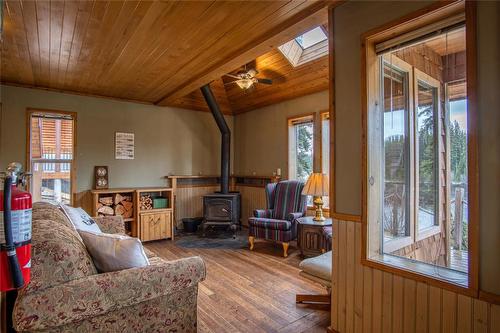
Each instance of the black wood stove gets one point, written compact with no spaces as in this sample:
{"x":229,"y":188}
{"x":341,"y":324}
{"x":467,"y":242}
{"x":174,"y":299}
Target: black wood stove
{"x":221,"y":208}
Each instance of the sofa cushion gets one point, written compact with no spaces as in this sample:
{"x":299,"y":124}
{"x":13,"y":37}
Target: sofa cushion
{"x":57,"y":256}
{"x":287,"y":199}
{"x":320,"y":266}
{"x":80,"y":219}
{"x":113,"y":252}
{"x":274,"y":224}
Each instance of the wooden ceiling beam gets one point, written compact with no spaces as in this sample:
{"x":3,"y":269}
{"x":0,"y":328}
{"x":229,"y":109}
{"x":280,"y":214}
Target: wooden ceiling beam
{"x":315,"y":14}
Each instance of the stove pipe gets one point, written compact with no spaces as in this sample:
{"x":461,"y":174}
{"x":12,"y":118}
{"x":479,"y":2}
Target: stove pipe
{"x":226,"y":136}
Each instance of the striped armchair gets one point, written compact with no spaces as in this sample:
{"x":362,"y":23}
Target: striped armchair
{"x":285,"y":203}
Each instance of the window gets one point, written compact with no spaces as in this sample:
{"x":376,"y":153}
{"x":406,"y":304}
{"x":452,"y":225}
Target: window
{"x":51,"y":155}
{"x":307,"y":47}
{"x":395,"y":215}
{"x":312,"y":37}
{"x":416,"y":174}
{"x":301,"y":147}
{"x":303,"y":156}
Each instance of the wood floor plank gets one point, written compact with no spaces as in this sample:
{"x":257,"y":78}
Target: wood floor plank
{"x":251,"y":291}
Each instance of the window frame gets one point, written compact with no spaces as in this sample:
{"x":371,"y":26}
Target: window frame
{"x":297,"y":55}
{"x":407,"y":69}
{"x":426,"y":16}
{"x":325,"y":116}
{"x":312,"y":45}
{"x":291,"y":121}
{"x":418,"y":75}
{"x":317,"y":118}
{"x":73,"y":115}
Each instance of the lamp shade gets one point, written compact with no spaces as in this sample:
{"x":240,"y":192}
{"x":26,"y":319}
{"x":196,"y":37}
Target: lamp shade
{"x":317,"y":185}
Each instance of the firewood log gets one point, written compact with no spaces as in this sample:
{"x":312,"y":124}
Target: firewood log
{"x":118,"y":198}
{"x":119,"y":210}
{"x":108,"y":201}
{"x":106,"y":210}
{"x":128,"y":205}
{"x":128,"y":214}
{"x":146,"y":203}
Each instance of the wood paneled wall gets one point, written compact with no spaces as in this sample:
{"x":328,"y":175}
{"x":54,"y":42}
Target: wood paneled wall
{"x":189,"y":202}
{"x":252,"y":197}
{"x":365,"y":299}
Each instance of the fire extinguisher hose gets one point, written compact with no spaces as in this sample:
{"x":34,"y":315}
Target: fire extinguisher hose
{"x":15,"y":270}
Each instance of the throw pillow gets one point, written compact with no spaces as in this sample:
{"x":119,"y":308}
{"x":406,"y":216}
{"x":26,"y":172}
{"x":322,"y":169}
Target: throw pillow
{"x":113,"y":252}
{"x":80,"y":219}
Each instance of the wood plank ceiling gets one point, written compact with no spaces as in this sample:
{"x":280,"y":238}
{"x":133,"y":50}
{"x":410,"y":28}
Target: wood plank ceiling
{"x":154,"y":52}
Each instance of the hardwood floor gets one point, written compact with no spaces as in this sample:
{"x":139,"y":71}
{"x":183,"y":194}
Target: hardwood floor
{"x":252,"y":291}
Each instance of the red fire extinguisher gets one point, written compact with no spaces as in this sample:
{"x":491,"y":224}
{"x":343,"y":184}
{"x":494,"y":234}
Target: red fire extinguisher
{"x":15,"y":231}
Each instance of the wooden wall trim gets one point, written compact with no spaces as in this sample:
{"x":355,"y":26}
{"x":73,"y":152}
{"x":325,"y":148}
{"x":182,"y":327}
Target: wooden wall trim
{"x":472,"y":144}
{"x":419,"y":277}
{"x":489,"y":297}
{"x":346,"y":217}
{"x":331,"y":97}
{"x":79,"y":93}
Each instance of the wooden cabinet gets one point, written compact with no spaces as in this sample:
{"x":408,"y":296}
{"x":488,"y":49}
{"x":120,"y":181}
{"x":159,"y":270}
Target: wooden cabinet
{"x":310,"y":238}
{"x":155,"y":225}
{"x":150,"y":210}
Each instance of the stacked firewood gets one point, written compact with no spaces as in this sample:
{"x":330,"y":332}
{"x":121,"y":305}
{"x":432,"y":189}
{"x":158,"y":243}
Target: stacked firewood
{"x":145,"y":202}
{"x":119,"y":205}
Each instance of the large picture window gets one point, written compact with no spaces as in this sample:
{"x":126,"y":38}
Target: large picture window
{"x":416,"y":176}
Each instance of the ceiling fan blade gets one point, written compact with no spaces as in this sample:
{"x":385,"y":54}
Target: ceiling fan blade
{"x":228,"y":83}
{"x":252,"y":72}
{"x":265,"y":81}
{"x":233,"y":76}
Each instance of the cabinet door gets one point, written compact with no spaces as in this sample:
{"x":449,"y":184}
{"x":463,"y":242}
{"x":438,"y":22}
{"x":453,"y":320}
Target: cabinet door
{"x":153,"y":226}
{"x":168,"y":225}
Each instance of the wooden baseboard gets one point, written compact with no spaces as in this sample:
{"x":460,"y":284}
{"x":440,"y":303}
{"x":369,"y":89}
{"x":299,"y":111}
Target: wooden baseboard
{"x":317,"y":299}
{"x":329,"y":329}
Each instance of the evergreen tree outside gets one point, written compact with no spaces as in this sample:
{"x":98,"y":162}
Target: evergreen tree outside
{"x":458,"y":153}
{"x":304,"y":146}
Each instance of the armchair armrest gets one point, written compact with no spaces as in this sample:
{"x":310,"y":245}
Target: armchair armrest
{"x":266,"y":213}
{"x":293,"y":216}
{"x":99,"y":294}
{"x":110,"y":224}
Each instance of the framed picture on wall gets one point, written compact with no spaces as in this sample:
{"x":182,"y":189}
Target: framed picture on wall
{"x":124,"y":146}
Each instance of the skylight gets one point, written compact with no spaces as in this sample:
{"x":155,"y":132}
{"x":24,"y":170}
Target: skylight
{"x":312,"y":37}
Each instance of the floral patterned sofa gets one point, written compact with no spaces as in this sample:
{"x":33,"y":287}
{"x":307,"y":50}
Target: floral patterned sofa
{"x":66,"y":293}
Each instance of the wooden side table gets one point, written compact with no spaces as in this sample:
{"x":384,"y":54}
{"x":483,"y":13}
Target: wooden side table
{"x":310,"y":238}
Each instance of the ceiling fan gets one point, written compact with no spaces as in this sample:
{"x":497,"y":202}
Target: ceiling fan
{"x":245,"y":79}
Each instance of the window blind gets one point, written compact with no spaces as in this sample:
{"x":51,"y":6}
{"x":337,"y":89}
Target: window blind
{"x":418,"y":35}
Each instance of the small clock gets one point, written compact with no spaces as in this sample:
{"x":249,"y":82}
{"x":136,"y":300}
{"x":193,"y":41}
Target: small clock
{"x":101,"y":177}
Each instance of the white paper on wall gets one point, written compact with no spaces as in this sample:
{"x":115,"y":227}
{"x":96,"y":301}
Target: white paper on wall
{"x":124,"y":146}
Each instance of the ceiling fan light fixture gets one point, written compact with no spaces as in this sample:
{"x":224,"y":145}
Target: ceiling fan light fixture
{"x":244,"y":83}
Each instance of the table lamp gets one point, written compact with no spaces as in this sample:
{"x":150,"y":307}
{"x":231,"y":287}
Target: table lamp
{"x":317,"y":186}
